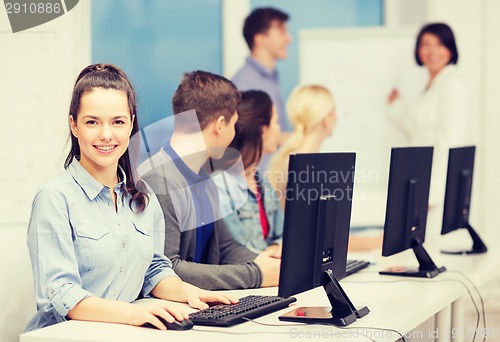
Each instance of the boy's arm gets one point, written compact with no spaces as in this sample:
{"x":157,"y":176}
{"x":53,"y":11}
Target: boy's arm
{"x":231,"y":251}
{"x":244,"y":274}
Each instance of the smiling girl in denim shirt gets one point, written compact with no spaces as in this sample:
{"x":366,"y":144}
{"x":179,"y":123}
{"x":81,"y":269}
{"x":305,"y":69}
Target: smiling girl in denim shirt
{"x":96,"y":231}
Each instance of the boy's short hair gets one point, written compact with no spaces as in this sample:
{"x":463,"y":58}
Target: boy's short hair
{"x":259,"y":21}
{"x":209,"y":95}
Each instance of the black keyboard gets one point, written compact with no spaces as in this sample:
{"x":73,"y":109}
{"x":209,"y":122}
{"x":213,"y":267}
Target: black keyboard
{"x":354,"y":266}
{"x":225,"y":315}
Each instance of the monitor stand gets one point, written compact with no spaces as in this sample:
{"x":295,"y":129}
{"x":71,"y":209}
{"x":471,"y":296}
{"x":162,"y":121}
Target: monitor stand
{"x":427,"y":268}
{"x":478,"y":245}
{"x":342,"y":310}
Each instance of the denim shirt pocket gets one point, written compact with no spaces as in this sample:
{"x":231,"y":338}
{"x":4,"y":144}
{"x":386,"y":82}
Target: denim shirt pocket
{"x":251,"y":231}
{"x":93,"y":243}
{"x":145,"y":239}
{"x":271,"y":207}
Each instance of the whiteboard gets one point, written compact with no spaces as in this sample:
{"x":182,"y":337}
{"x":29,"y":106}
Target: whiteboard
{"x":361,"y":66}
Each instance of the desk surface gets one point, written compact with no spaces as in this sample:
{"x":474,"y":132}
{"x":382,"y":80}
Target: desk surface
{"x":396,"y":303}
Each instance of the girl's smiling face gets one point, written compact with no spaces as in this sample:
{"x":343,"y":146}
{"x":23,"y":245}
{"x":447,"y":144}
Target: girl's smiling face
{"x":103,"y":128}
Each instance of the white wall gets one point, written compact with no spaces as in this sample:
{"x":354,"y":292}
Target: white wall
{"x":490,"y":117}
{"x":234,"y":47}
{"x":38,"y":68}
{"x":398,"y":13}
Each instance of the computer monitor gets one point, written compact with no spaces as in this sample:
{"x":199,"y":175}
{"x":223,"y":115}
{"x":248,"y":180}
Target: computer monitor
{"x":406,"y":211}
{"x":458,"y":196}
{"x":316,"y":231}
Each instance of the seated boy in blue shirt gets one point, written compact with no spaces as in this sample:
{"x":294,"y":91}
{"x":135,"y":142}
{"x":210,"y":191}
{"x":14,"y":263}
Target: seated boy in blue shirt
{"x":197,"y":241}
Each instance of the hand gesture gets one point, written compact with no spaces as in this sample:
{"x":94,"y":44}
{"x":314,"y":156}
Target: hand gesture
{"x":393,"y":96}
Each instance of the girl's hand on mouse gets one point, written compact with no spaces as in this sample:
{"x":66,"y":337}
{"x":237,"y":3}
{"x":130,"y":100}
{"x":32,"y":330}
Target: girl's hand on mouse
{"x":149,"y":311}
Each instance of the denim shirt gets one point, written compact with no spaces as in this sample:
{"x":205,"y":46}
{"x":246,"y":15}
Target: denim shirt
{"x":244,"y":222}
{"x":81,"y":246}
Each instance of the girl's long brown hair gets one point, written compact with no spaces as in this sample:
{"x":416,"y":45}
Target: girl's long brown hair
{"x":109,"y":76}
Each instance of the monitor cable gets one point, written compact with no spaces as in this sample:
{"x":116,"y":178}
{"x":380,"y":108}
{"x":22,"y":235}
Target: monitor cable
{"x":356,"y":329}
{"x":480,"y":297}
{"x":430,"y":281}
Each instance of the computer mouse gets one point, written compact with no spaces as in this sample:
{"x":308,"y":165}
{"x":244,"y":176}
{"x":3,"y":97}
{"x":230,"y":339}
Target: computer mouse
{"x":185,"y":324}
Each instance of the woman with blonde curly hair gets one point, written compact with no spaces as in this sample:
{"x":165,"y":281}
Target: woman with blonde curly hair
{"x":311,"y":110}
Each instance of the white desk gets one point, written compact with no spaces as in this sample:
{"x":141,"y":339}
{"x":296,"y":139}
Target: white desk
{"x":479,"y":268}
{"x":395,"y":303}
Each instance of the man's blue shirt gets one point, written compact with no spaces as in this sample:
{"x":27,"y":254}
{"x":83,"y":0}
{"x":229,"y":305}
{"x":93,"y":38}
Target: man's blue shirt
{"x":199,"y":184}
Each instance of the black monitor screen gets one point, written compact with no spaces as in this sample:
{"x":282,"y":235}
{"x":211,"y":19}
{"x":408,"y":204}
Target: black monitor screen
{"x":407,"y":198}
{"x":458,"y":196}
{"x":458,"y":188}
{"x":312,"y":176}
{"x":406,"y":212}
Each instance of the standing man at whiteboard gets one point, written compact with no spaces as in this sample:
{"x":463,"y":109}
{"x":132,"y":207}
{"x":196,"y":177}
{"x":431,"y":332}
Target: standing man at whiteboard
{"x":267,"y":37}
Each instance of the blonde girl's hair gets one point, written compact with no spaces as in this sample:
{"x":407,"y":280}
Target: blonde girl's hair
{"x":307,"y":106}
